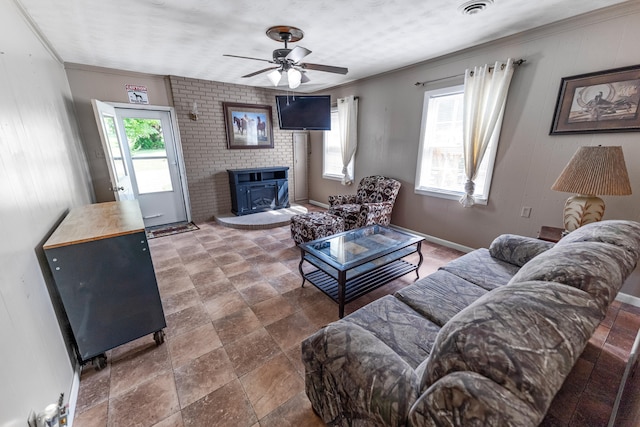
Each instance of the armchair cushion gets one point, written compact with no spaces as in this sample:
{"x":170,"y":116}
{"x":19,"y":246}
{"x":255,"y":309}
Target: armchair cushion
{"x":342,"y":199}
{"x":351,"y":214}
{"x":376,"y":213}
{"x":372,"y":204}
{"x":377,"y":188}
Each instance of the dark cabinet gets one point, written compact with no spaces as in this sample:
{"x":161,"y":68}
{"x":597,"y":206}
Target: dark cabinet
{"x":101,"y":265}
{"x":257,"y":190}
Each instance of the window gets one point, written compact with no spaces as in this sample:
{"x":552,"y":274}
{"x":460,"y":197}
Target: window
{"x":440,"y":168}
{"x":332,"y":154}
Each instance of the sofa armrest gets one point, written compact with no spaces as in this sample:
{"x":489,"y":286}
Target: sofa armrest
{"x":469,"y":399}
{"x":377,"y":213}
{"x":517,"y":250}
{"x":350,"y":375}
{"x":342,"y":199}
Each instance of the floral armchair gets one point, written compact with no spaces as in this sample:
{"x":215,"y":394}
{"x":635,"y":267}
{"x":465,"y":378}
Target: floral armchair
{"x":372,"y":204}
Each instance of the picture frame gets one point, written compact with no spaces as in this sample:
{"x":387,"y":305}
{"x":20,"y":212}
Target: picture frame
{"x":248,"y":125}
{"x":603,"y":101}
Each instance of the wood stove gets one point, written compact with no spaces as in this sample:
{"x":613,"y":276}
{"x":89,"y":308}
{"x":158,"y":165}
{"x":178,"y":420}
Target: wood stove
{"x":259,"y":189}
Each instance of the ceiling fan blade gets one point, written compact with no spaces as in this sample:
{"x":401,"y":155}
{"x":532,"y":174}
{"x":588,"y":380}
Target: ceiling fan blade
{"x":247,"y":57}
{"x":327,"y":68}
{"x":304,"y":78}
{"x":261,"y":71}
{"x":297,"y":53}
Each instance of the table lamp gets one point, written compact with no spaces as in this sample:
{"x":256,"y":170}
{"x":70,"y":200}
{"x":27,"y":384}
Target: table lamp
{"x":592,"y":171}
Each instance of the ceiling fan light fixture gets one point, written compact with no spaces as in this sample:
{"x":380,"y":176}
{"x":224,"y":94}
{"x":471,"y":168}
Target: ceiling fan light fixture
{"x":288,"y":60}
{"x":275,"y":77}
{"x":294,"y":77}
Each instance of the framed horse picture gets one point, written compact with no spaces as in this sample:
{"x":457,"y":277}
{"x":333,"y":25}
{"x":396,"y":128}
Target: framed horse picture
{"x":248,"y":125}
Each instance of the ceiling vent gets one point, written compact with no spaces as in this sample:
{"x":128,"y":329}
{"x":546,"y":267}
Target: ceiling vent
{"x":474,"y":6}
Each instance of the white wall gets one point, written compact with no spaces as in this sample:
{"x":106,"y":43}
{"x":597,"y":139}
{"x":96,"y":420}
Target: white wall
{"x":529,"y":159}
{"x":43,"y":173}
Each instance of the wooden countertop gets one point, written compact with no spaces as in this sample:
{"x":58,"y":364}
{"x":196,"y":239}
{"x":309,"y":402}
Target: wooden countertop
{"x":96,"y":222}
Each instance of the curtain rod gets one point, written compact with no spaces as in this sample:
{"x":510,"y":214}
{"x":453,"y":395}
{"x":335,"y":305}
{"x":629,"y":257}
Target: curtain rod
{"x":518,"y":62}
{"x":335,"y":104}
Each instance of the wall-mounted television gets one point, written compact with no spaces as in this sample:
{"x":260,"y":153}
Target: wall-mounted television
{"x":304,"y":112}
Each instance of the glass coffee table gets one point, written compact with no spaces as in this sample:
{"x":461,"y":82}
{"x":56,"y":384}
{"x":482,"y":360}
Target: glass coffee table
{"x":355,"y":262}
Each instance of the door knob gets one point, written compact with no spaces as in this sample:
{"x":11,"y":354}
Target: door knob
{"x":117,"y":189}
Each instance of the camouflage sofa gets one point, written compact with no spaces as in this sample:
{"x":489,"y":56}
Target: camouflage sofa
{"x":487,"y":340}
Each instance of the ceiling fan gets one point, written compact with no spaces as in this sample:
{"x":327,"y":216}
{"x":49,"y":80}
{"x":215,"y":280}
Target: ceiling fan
{"x":288,"y":60}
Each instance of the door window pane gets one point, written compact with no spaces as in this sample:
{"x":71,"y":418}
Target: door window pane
{"x":148,"y":155}
{"x":114,"y":145}
{"x":152,"y":175}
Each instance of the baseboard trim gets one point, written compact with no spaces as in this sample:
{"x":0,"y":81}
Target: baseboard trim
{"x":315,"y":203}
{"x":629,"y":370}
{"x":436,"y":240}
{"x":628,"y":299}
{"x":73,"y":395}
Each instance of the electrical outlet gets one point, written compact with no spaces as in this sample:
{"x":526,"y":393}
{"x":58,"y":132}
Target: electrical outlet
{"x":526,"y":212}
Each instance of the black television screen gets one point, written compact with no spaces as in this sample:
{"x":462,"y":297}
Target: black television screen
{"x":304,"y":112}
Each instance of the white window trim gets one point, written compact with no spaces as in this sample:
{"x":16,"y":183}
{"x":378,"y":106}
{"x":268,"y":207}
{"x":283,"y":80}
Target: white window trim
{"x":335,"y":177}
{"x":490,"y":155}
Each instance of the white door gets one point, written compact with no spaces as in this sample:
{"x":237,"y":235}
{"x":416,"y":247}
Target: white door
{"x":114,"y":151}
{"x":144,"y":160}
{"x":300,"y":155}
{"x":152,"y":156}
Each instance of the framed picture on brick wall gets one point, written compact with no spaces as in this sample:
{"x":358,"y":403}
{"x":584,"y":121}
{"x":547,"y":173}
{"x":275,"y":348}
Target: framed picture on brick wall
{"x":248,"y":125}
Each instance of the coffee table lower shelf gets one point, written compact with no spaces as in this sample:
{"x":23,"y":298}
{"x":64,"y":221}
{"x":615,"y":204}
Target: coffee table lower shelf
{"x":361,"y":284}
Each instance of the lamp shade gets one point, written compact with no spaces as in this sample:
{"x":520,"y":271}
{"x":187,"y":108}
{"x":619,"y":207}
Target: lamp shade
{"x":595,"y":171}
{"x":591,"y":171}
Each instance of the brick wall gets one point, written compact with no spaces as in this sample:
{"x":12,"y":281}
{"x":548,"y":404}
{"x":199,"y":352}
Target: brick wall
{"x":204,"y":142}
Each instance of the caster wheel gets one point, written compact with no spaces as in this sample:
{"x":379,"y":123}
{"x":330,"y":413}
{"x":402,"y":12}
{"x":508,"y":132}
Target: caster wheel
{"x":100,"y":362}
{"x":158,"y":337}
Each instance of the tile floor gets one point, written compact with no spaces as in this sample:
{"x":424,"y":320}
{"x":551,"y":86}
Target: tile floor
{"x":589,"y":392}
{"x":236,"y":315}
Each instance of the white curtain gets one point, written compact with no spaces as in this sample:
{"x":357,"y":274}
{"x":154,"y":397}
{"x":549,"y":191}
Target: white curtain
{"x":348,"y":127}
{"x":485,"y":95}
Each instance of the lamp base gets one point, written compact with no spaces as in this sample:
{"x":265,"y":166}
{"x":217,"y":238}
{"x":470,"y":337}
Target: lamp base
{"x":580,"y":210}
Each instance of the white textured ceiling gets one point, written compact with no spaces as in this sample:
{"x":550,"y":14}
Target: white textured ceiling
{"x":188,"y":37}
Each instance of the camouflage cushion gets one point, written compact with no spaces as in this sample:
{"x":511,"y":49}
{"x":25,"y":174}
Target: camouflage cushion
{"x":402,"y":329}
{"x":517,"y":250}
{"x":517,"y":336}
{"x":625,"y":234}
{"x":596,"y":268}
{"x":440,"y":296}
{"x":481,"y":269}
{"x":354,"y":379}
